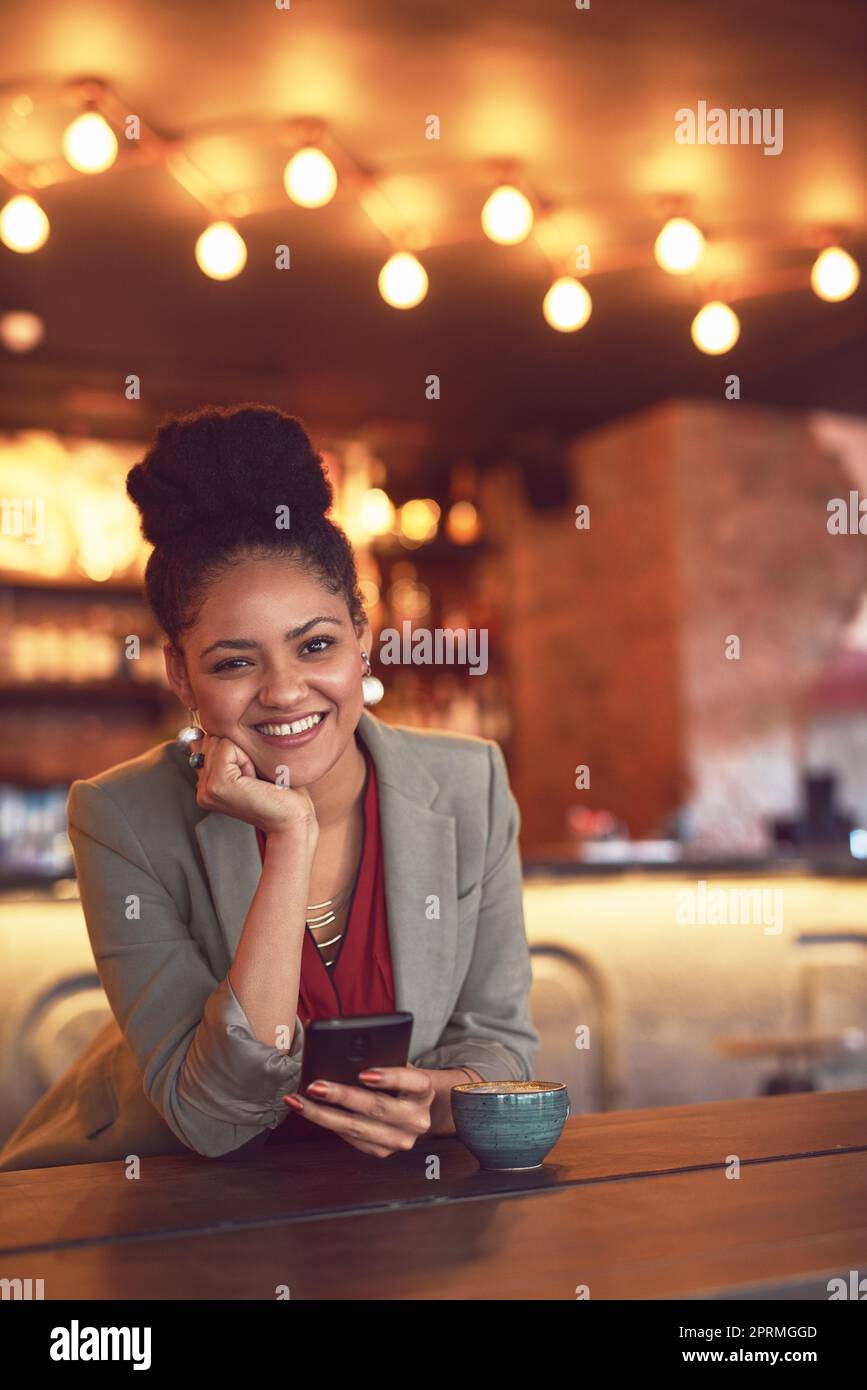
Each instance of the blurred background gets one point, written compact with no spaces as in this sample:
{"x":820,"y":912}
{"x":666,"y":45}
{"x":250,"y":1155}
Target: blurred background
{"x":578,"y":385}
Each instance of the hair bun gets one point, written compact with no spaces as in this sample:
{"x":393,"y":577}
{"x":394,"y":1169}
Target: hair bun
{"x":227,"y":469}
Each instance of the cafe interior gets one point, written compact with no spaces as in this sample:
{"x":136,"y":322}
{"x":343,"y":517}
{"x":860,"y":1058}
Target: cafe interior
{"x":586,"y":387}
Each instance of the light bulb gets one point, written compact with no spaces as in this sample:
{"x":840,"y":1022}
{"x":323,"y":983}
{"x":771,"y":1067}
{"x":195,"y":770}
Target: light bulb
{"x":567,"y":305}
{"x":403,"y":281}
{"x":310,"y":179}
{"x":715,"y":328}
{"x":419,"y":518}
{"x":679,"y":246}
{"x":21,"y":331}
{"x":462,"y":523}
{"x":221,"y":252}
{"x":835,"y":275}
{"x":90,"y":144}
{"x":377,"y":512}
{"x":23,"y":224}
{"x":507,"y":216}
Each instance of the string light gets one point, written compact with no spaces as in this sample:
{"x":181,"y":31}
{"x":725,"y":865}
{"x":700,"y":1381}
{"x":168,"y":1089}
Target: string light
{"x":567,"y":306}
{"x":679,"y":246}
{"x":90,"y":144}
{"x":221,"y":252}
{"x":715,"y":328}
{"x":835,"y":275}
{"x":23,"y":225}
{"x":507,"y":216}
{"x":403,"y":281}
{"x":310,"y":179}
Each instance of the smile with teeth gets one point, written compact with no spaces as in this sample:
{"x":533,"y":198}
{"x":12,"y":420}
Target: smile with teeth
{"x":297,"y":727}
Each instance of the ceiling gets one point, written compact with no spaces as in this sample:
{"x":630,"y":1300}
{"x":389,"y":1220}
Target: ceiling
{"x":584,"y":99}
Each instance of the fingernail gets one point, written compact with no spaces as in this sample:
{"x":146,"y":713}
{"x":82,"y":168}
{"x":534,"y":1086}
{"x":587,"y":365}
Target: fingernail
{"x":295,"y":1102}
{"x":318,"y":1088}
{"x":370,"y":1075}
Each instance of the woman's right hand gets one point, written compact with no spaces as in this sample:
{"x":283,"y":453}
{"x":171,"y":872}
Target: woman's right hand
{"x":228,"y":783}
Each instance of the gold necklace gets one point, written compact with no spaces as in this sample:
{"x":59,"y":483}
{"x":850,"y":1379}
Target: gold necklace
{"x":327,"y":911}
{"x":330,"y":907}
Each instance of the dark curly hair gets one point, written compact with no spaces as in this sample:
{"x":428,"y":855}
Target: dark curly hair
{"x":209,"y":489}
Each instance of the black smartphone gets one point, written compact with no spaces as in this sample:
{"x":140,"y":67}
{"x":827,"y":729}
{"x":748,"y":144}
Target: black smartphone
{"x":337,"y":1049}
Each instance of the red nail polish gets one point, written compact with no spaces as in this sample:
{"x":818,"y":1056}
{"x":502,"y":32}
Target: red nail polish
{"x":318,"y":1088}
{"x":295,"y":1102}
{"x":370,"y":1075}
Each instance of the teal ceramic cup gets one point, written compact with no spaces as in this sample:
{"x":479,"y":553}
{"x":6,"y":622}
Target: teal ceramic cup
{"x":510,"y":1124}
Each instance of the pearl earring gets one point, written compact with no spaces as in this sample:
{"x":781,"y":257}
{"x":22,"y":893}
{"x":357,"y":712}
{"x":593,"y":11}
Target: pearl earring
{"x":190,"y":732}
{"x":371,"y":686}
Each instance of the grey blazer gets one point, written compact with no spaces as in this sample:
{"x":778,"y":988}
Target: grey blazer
{"x":166,"y":887}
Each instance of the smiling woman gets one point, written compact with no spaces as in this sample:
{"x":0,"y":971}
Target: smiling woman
{"x":296,"y":859}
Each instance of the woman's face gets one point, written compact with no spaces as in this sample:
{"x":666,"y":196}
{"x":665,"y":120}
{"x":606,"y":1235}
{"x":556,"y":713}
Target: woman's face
{"x":272,"y":645}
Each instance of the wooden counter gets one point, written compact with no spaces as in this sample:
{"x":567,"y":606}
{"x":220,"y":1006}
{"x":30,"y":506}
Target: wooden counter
{"x":634,"y":1204}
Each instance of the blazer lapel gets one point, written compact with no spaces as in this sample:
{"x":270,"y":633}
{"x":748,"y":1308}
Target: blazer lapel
{"x":420,"y":871}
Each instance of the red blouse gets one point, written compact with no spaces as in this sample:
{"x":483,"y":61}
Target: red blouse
{"x":360,"y":981}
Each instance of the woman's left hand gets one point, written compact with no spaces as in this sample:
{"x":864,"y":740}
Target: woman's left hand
{"x":374,"y":1123}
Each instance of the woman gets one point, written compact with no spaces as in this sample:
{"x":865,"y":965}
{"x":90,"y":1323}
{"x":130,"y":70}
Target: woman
{"x":266,"y":872}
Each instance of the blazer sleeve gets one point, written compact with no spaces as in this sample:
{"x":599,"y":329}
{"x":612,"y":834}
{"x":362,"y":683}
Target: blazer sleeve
{"x":213,"y":1082}
{"x":490,"y":1029}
